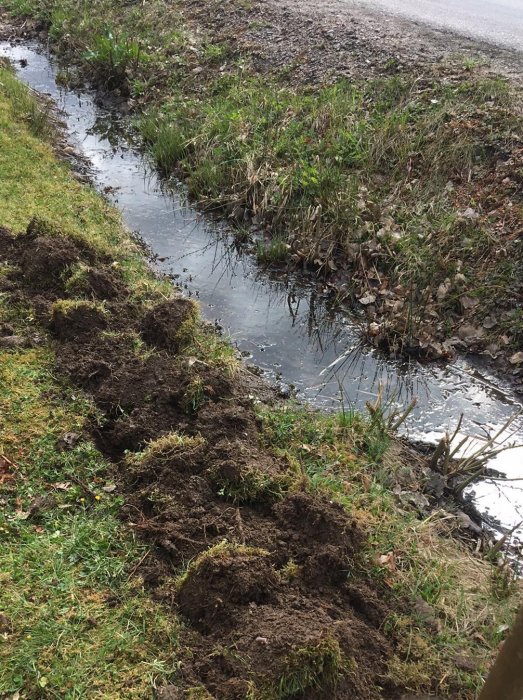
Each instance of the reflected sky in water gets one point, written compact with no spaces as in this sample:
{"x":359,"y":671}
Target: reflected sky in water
{"x":283,"y":323}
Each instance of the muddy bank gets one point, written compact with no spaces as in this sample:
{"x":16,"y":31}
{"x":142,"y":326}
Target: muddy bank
{"x":268,"y":312}
{"x":270,"y":575}
{"x":433,"y":303}
{"x":317,"y":42}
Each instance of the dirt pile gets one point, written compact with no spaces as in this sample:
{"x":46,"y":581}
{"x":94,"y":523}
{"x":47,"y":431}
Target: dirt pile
{"x":268,"y":575}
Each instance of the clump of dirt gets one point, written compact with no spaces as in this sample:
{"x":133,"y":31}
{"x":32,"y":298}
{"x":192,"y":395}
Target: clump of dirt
{"x":45,"y":257}
{"x":223,"y":581}
{"x":97,"y":284}
{"x":296,"y":649}
{"x":276,"y":599}
{"x":77,"y":321}
{"x":162,"y":325}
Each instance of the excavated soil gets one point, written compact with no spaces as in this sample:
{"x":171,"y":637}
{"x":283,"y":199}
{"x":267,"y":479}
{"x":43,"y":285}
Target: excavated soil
{"x":269,"y":577}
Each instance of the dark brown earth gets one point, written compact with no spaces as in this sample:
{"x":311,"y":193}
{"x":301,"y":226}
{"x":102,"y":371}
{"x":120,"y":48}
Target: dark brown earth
{"x":322,"y":41}
{"x":316,"y":43}
{"x":275,"y":593}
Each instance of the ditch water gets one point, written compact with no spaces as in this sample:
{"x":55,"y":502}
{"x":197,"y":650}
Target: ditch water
{"x":281,"y":323}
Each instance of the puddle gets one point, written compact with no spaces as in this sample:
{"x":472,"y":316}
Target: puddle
{"x":283,"y":324}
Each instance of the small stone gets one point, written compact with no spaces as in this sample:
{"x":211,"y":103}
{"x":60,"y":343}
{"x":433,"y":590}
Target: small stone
{"x":68,"y":441}
{"x":169,"y":692}
{"x":465,"y":663}
{"x":12,"y":341}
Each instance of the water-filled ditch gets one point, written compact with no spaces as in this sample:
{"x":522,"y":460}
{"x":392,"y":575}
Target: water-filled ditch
{"x":280,"y":322}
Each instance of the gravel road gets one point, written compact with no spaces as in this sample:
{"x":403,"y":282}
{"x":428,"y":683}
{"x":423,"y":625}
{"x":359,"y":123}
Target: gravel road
{"x":498,"y":22}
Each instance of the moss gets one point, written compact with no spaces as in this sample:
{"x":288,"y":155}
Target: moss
{"x":315,"y":667}
{"x":199,"y":693}
{"x":223,"y":550}
{"x":253,"y":485}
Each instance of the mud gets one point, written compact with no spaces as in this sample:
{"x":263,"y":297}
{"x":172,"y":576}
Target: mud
{"x":161,"y":325}
{"x":269,"y":576}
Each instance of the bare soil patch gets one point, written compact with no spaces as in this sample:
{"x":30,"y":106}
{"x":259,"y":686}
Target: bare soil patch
{"x":269,"y":577}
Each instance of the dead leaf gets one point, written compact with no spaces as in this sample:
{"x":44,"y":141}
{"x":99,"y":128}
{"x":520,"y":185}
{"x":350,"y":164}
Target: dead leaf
{"x":470,"y":214}
{"x":468,"y":332}
{"x":443,"y":289}
{"x":468,"y":302}
{"x":388,"y":561}
{"x":489,"y":322}
{"x":7,"y":468}
{"x":516,"y":359}
{"x":367,"y":299}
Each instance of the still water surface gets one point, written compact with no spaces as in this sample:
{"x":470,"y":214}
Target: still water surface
{"x":281,"y":323}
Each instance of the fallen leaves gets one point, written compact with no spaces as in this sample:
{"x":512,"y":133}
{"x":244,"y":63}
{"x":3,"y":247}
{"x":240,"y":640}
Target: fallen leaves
{"x":7,"y":469}
{"x":367,"y":299}
{"x":388,"y":561}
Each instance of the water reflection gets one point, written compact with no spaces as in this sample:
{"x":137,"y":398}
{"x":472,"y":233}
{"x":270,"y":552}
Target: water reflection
{"x":284,"y":323}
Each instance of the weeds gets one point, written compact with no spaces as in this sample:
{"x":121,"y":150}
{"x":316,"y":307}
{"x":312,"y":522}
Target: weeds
{"x":456,"y":456}
{"x":272,"y":252}
{"x":195,"y":395}
{"x":113,"y":57}
{"x":380,"y":170}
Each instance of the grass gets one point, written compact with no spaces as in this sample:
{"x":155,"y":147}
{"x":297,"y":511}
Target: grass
{"x":75,"y":619}
{"x":275,"y":251}
{"x":356,"y":461}
{"x":318,"y":666}
{"x":380,"y":169}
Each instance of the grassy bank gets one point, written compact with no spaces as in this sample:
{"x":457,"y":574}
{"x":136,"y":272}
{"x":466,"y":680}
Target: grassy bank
{"x":75,"y":621}
{"x":402,"y":188}
{"x":197,"y":475}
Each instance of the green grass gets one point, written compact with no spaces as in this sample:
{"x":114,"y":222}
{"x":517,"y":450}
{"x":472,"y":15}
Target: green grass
{"x":338,"y":173}
{"x":355,"y":460}
{"x":76,"y":622}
